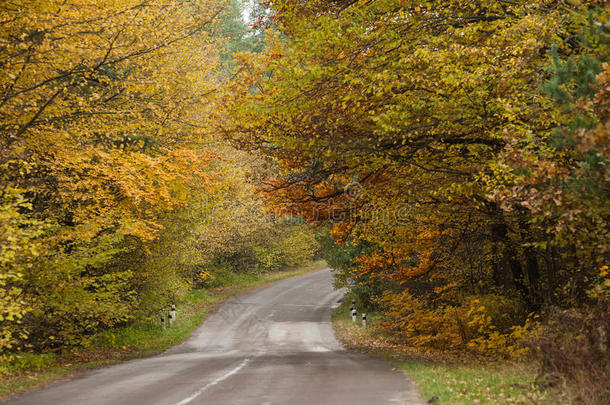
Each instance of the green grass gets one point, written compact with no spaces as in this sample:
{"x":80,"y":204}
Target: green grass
{"x":145,"y":338}
{"x":148,"y":337}
{"x":475,"y":383}
{"x":449,"y":378}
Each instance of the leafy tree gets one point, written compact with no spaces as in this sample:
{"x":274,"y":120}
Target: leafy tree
{"x":561,"y":180}
{"x":116,"y":195}
{"x":418,"y":106}
{"x":97,"y":109}
{"x":239,"y":35}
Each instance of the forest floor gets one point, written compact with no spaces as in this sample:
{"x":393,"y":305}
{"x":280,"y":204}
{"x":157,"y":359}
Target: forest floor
{"x":446,"y":378}
{"x":141,"y":339}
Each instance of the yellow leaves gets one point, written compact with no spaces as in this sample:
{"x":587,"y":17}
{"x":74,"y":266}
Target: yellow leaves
{"x":18,"y":248}
{"x":466,"y":328}
{"x":601,"y":287}
{"x":107,"y":114}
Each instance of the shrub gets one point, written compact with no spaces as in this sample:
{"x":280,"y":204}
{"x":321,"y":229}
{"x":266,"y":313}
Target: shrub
{"x":573,"y":347}
{"x":505,"y":312}
{"x":468,"y":327}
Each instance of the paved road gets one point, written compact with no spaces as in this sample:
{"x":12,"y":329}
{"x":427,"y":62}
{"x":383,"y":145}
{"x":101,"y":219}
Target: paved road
{"x":274,"y":345}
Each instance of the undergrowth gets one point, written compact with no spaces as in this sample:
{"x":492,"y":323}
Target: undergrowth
{"x":146,"y":337}
{"x":448,"y":378}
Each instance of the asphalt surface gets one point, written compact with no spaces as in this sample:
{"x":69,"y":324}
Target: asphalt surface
{"x":274,"y":345}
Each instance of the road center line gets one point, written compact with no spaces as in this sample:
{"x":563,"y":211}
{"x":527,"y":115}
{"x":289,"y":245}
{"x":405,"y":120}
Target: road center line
{"x":216,"y":381}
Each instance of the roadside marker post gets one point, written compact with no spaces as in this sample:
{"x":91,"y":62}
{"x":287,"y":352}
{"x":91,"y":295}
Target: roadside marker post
{"x":354,"y":315}
{"x":170,"y":320}
{"x":172,"y":313}
{"x":162,"y":321}
{"x":364,"y":319}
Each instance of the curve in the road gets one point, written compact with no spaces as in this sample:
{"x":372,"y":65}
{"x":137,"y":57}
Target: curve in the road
{"x":274,"y":345}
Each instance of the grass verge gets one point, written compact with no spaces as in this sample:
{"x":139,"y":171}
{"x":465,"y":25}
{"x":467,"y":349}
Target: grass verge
{"x":137,"y":340}
{"x":443,"y":378}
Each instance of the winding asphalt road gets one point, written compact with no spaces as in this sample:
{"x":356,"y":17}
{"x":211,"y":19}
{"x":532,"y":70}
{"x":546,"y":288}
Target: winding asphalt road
{"x":274,"y":345}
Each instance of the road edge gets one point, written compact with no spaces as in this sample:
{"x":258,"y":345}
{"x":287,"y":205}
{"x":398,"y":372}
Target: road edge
{"x":65,"y":372}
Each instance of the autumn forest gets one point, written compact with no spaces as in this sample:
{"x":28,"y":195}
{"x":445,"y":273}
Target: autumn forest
{"x":448,"y":159}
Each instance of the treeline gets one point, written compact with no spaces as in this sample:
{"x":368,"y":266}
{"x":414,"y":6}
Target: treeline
{"x":116,"y":195}
{"x":459,"y":151}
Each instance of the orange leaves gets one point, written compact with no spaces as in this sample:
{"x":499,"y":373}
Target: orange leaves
{"x":426,"y":265}
{"x":341,"y":232}
{"x":374,"y":263}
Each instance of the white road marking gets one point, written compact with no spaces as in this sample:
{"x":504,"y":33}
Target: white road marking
{"x":216,"y":381}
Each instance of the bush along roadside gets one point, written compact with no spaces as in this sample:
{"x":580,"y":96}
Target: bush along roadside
{"x":445,"y":377}
{"x":19,"y":372}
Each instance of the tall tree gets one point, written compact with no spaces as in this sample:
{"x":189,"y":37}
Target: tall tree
{"x":100,"y":102}
{"x":388,"y":119}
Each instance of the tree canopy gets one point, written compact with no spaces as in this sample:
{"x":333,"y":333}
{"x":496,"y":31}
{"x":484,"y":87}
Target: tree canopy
{"x":458,"y":149}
